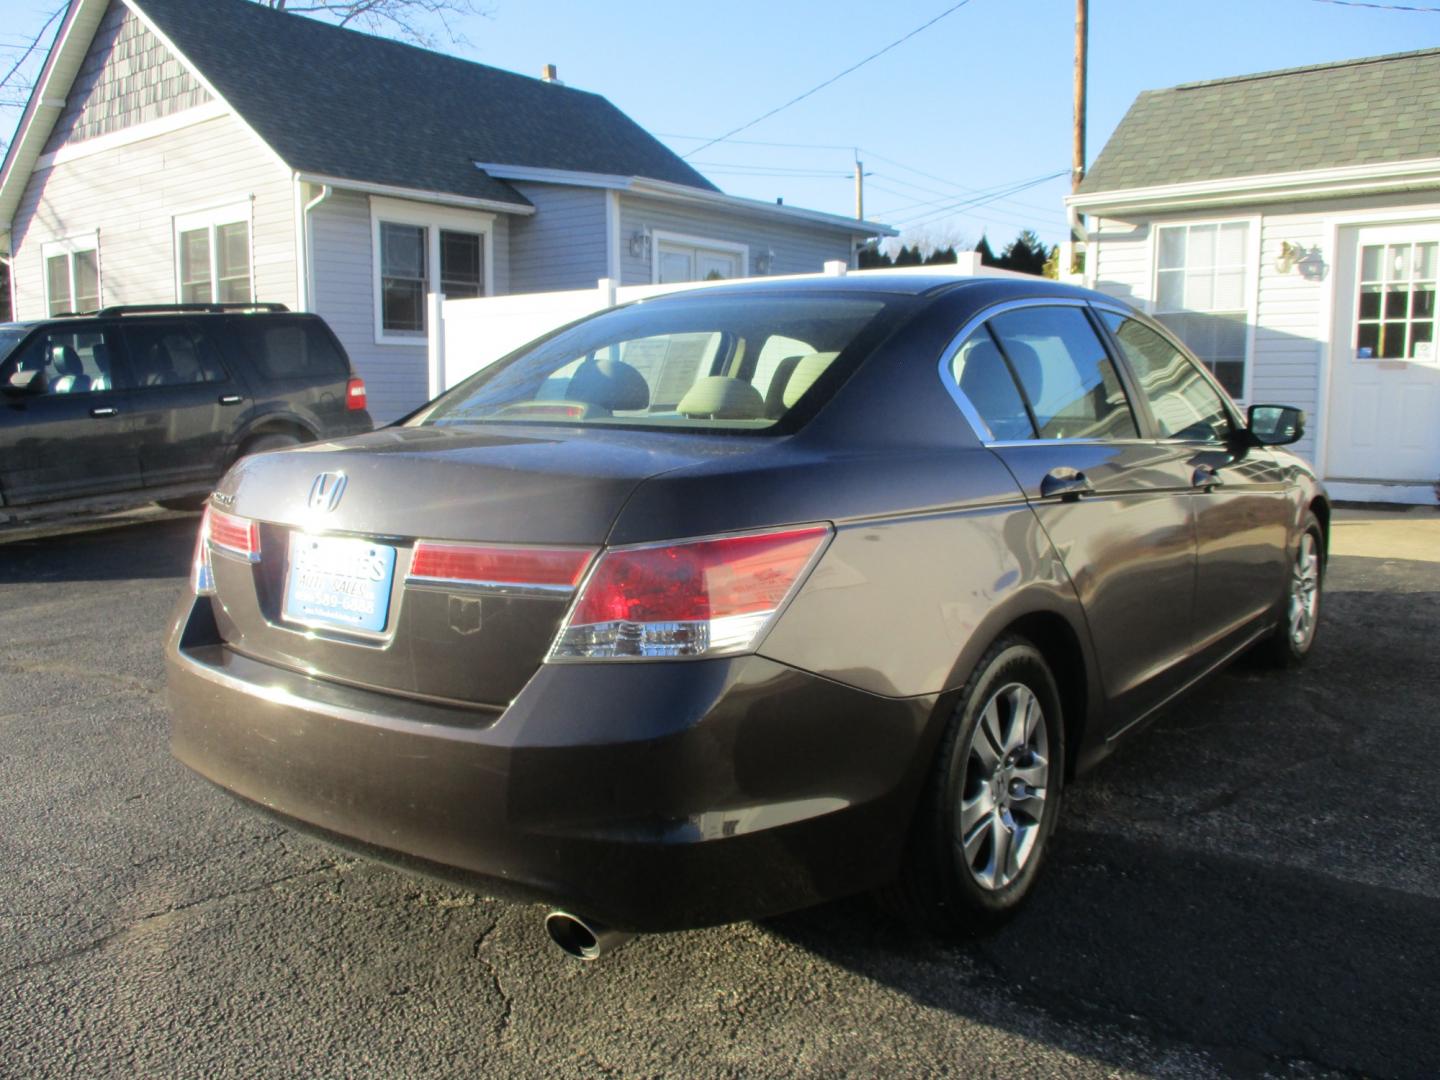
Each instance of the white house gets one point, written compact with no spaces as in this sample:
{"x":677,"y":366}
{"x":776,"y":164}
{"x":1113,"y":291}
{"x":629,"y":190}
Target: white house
{"x":1287,"y":226}
{"x":217,"y":150}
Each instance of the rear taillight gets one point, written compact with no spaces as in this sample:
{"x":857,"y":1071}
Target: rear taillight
{"x":202,"y":578}
{"x":233,"y":535}
{"x":692,"y":599}
{"x":355,"y":394}
{"x":499,"y":566}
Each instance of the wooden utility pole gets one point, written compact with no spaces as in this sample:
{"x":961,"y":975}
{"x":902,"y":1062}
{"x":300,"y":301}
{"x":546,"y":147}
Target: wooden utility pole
{"x":1077,"y":166}
{"x":859,"y":188}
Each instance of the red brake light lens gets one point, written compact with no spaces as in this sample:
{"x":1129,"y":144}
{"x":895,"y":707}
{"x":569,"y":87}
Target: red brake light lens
{"x":355,"y":397}
{"x":701,"y":598}
{"x":535,"y":568}
{"x":237,"y":535}
{"x":202,"y":578}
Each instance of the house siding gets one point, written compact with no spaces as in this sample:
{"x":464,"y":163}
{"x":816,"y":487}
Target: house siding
{"x":128,"y":77}
{"x":131,"y":194}
{"x":799,"y":249}
{"x":563,"y":244}
{"x":1294,"y":315}
{"x":341,"y":247}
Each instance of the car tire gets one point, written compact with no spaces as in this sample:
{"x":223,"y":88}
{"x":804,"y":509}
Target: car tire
{"x":1293,"y":639}
{"x":276,"y":440}
{"x":993,"y":797}
{"x":185,"y":503}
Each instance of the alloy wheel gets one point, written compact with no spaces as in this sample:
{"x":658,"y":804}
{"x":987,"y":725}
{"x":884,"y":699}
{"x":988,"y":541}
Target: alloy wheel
{"x":1002,"y":804}
{"x":1304,"y":592}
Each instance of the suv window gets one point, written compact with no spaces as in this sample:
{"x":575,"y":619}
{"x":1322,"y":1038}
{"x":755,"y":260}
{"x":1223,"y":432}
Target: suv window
{"x":287,"y":348}
{"x":1067,"y":377}
{"x":68,"y":361}
{"x":172,"y":354}
{"x":1184,"y":403}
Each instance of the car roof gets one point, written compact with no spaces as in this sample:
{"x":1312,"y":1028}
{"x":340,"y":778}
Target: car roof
{"x":992,"y":286}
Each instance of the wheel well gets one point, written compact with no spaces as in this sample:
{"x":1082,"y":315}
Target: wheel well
{"x":1321,"y":509}
{"x":277,"y":427}
{"x":1057,"y":642}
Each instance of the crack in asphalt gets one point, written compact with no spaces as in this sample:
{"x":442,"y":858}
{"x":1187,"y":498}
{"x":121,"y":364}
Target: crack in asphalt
{"x":174,"y":909}
{"x":507,"y":1002}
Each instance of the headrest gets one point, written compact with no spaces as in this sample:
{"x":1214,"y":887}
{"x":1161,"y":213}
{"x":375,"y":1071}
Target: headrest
{"x":722,"y":398}
{"x":609,"y":384}
{"x":65,"y":360}
{"x":809,"y":369}
{"x":775,"y":392}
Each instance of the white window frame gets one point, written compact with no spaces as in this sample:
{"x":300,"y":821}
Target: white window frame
{"x":685,"y":240}
{"x":433,"y":218}
{"x":69,"y":246}
{"x":211,"y":219}
{"x":1251,"y":287}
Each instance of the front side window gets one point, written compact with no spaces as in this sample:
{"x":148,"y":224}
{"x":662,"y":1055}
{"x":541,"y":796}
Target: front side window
{"x":1201,"y":281}
{"x":212,"y":256}
{"x":1069,"y":384}
{"x":72,"y":276}
{"x":62,"y":362}
{"x":1182,"y":401}
{"x":685,"y":364}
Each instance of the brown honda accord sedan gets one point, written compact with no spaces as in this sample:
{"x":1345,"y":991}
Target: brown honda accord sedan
{"x":728,"y":602}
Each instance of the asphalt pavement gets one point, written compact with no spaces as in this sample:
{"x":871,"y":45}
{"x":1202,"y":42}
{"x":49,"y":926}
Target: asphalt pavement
{"x":1252,"y":886}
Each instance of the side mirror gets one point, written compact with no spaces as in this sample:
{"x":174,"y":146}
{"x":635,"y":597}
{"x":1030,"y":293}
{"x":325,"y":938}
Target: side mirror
{"x":1276,"y":425}
{"x":25,"y":383}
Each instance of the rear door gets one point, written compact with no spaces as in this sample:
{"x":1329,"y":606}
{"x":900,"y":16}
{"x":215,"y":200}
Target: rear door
{"x":293,"y":364}
{"x":183,"y":403}
{"x":1115,"y":505}
{"x":77,"y":438}
{"x":1241,"y":499}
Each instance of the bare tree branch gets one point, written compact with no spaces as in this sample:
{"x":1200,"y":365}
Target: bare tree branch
{"x":14,"y":92}
{"x":409,"y":20}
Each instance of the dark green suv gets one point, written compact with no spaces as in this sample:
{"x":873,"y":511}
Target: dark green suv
{"x":137,"y":404}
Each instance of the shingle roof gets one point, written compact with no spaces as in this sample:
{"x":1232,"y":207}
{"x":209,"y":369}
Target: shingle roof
{"x":1358,"y":112}
{"x":343,"y":104}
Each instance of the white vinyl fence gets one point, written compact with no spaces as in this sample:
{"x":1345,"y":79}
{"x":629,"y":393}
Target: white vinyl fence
{"x":467,"y":335}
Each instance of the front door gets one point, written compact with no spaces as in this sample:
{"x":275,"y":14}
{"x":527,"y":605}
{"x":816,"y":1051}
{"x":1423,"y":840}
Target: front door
{"x":70,"y":435}
{"x":1385,"y":376}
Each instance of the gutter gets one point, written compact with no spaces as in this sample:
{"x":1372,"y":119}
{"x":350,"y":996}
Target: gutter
{"x":306,"y":282}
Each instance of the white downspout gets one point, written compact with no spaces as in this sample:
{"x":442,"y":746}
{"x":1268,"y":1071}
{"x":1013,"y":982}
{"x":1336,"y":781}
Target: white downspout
{"x":306,"y":284}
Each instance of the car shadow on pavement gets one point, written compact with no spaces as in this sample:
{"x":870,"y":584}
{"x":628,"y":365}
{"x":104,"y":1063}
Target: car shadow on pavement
{"x":1259,"y":966}
{"x":128,"y":551}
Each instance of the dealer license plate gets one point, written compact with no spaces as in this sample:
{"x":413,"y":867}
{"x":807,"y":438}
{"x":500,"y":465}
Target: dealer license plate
{"x":340,"y":582}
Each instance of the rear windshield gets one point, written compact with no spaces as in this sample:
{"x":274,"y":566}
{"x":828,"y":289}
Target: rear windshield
{"x":729,"y":363}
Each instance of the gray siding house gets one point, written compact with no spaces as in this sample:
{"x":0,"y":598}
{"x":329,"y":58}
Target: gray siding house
{"x":1286,"y":226}
{"x":216,"y":150}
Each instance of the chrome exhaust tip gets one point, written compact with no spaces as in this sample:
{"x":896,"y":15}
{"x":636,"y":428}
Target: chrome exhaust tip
{"x":582,"y":938}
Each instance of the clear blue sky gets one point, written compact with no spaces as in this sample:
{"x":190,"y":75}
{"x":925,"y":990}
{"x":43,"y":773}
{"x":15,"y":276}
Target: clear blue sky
{"x":980,"y":100}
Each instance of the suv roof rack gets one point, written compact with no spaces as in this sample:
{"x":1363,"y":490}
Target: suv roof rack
{"x":162,"y":309}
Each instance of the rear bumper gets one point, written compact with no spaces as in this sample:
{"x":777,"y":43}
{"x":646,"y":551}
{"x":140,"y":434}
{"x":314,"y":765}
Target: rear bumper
{"x":652,"y":796}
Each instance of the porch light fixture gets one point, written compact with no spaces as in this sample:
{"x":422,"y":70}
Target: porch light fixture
{"x":640,"y":244}
{"x":765,"y":261}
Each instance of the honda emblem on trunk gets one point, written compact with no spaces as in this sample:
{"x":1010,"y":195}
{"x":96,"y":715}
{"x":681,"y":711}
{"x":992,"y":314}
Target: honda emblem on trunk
{"x":325,"y":492}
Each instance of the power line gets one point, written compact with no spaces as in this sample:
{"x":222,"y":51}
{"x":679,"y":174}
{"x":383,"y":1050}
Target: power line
{"x":1382,"y":7}
{"x":833,"y":79}
{"x":756,"y":142}
{"x":946,"y":196}
{"x":979,"y":200}
{"x":932,"y":176}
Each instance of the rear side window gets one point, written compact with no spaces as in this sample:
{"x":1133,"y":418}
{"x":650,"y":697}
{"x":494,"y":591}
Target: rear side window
{"x":287,"y":349}
{"x":1069,"y":383}
{"x":1185,"y":406}
{"x":172,"y":354}
{"x":984,"y":378}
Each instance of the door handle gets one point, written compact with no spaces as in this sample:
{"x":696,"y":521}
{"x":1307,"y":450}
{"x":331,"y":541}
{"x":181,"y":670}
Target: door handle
{"x":1206,"y":477}
{"x":230,"y":399}
{"x":1067,"y":484}
{"x":101,"y":411}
